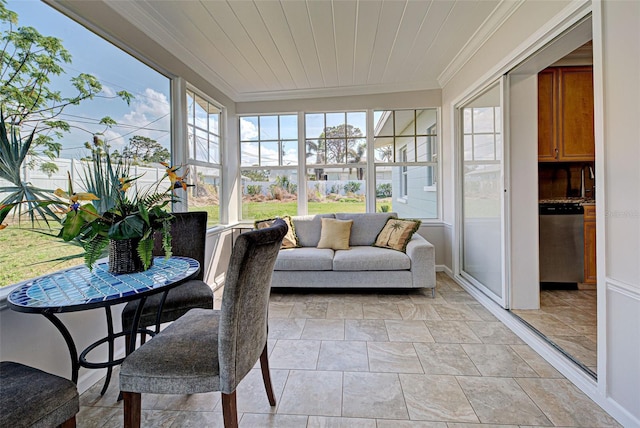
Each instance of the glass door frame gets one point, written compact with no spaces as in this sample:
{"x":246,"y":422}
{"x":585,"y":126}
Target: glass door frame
{"x":503,"y":83}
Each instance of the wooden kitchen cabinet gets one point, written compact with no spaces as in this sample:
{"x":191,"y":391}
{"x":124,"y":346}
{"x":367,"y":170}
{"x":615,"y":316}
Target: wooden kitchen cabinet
{"x":590,"y":276}
{"x":565,"y":115}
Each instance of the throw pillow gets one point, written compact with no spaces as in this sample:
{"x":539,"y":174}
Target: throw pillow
{"x":335,"y":234}
{"x":290,"y":240}
{"x":396,"y":233}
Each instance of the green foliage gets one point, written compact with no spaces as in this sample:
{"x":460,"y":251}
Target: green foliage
{"x":256,"y":175}
{"x":384,"y":208}
{"x":143,"y":151}
{"x":166,"y":239}
{"x":383,"y":190}
{"x":254,"y":189}
{"x":49,"y":168}
{"x":145,"y":246}
{"x":283,"y":182}
{"x":29,"y":61}
{"x":121,"y":212}
{"x":352,"y":187}
{"x":20,"y":195}
{"x":330,"y":146}
{"x":94,"y":248}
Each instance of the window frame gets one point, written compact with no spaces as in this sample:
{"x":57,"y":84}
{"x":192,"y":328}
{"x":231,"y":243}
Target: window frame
{"x":369,"y":165}
{"x":189,"y":160}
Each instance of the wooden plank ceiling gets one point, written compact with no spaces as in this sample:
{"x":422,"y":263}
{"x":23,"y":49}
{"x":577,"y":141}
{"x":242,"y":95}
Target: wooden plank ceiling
{"x":276,"y":49}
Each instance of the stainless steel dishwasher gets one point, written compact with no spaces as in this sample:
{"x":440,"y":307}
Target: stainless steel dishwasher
{"x":561,"y":242}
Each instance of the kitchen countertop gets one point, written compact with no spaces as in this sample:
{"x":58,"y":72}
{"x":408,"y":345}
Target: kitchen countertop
{"x":581,"y":201}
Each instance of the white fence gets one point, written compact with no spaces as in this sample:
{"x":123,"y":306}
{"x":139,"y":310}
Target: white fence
{"x":148,"y":175}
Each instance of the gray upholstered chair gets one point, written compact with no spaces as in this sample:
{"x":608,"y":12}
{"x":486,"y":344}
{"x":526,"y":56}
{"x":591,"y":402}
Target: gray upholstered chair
{"x":212,"y":350}
{"x":188,"y":237}
{"x":32,"y":398}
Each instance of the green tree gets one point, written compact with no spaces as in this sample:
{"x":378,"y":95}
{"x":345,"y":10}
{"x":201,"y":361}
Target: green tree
{"x":337,"y":145}
{"x":29,"y":61}
{"x":340,"y":142}
{"x":144,"y":150}
{"x":256,"y":174}
{"x":28,"y":103}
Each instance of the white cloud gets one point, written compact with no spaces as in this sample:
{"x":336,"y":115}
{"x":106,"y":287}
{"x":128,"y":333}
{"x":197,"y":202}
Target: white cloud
{"x":108,"y":91}
{"x":248,"y":130}
{"x":148,"y":107}
{"x":150,"y":116}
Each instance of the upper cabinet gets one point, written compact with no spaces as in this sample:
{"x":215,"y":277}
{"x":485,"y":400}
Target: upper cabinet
{"x":565,"y":114}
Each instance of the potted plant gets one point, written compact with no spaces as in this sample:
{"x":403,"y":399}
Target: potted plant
{"x":119,"y":213}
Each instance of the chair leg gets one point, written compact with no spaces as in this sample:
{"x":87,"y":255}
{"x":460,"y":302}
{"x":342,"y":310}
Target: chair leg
{"x":266,"y":376}
{"x":132,"y":409}
{"x":127,"y":339}
{"x":229,"y":410}
{"x":69,"y":423}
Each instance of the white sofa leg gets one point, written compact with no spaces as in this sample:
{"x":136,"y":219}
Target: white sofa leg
{"x":433,"y":293}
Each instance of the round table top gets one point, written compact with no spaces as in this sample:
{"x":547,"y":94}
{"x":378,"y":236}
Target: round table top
{"x":78,"y":288}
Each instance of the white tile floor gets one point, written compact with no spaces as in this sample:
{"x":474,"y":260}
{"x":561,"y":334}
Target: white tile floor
{"x":569,"y":319}
{"x":380,"y":359}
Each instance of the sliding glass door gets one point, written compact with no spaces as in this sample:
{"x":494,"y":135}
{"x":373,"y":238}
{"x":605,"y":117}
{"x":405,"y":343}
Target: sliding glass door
{"x":482,"y":193}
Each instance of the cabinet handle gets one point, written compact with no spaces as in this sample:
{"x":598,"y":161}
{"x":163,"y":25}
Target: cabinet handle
{"x":556,"y":150}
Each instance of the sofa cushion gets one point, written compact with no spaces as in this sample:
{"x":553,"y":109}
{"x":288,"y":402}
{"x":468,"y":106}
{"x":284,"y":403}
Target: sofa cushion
{"x":290,"y":240}
{"x":366,"y":226}
{"x":308,"y":228}
{"x":363,"y":258}
{"x":305,"y":258}
{"x":335,"y":234}
{"x":396,"y":233}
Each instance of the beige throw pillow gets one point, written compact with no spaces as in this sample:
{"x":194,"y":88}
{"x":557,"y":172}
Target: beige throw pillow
{"x":290,"y":240}
{"x":396,"y":234}
{"x":335,"y":234}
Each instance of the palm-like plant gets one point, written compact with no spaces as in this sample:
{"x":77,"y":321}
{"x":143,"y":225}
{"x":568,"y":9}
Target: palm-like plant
{"x":118,"y":211}
{"x":22,"y":196}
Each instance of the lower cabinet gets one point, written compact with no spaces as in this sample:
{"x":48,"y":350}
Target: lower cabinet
{"x":590,"y":276}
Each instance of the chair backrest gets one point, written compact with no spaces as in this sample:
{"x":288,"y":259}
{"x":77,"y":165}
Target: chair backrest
{"x":188,"y":237}
{"x":245,"y":302}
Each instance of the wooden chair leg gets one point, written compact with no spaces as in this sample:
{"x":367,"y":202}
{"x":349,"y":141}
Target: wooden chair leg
{"x":69,"y":423}
{"x":132,"y":409}
{"x":266,"y":376}
{"x":229,"y":410}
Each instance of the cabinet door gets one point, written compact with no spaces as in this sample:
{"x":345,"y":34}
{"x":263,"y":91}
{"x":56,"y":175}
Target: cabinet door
{"x":547,"y":106}
{"x":575,"y":115}
{"x":590,"y":274}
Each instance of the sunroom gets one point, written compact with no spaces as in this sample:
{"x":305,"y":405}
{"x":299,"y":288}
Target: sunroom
{"x":426,"y":109}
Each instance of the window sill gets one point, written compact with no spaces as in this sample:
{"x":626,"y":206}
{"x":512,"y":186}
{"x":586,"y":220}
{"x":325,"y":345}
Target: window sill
{"x":402,"y":200}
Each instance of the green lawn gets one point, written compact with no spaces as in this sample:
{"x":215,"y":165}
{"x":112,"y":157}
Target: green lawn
{"x":25,"y":253}
{"x":264,"y":210}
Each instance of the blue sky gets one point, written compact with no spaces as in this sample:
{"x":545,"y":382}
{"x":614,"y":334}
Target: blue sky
{"x":148,"y":114}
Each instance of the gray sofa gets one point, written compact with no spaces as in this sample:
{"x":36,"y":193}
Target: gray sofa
{"x":362,"y":266}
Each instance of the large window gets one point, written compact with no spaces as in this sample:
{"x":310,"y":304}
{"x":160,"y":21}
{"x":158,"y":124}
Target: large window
{"x":269,"y":160}
{"x":71,"y":125}
{"x":336,"y":155}
{"x":336,"y":158}
{"x":406,"y":162}
{"x":203,"y":130}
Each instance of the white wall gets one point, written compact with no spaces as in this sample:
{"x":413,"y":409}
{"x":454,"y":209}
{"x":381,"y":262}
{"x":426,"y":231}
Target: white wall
{"x":616,"y":71}
{"x":415,"y":99}
{"x":617,"y":90}
{"x":523,"y":168}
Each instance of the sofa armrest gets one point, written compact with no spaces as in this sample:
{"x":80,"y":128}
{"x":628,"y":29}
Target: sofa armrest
{"x":423,"y":262}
